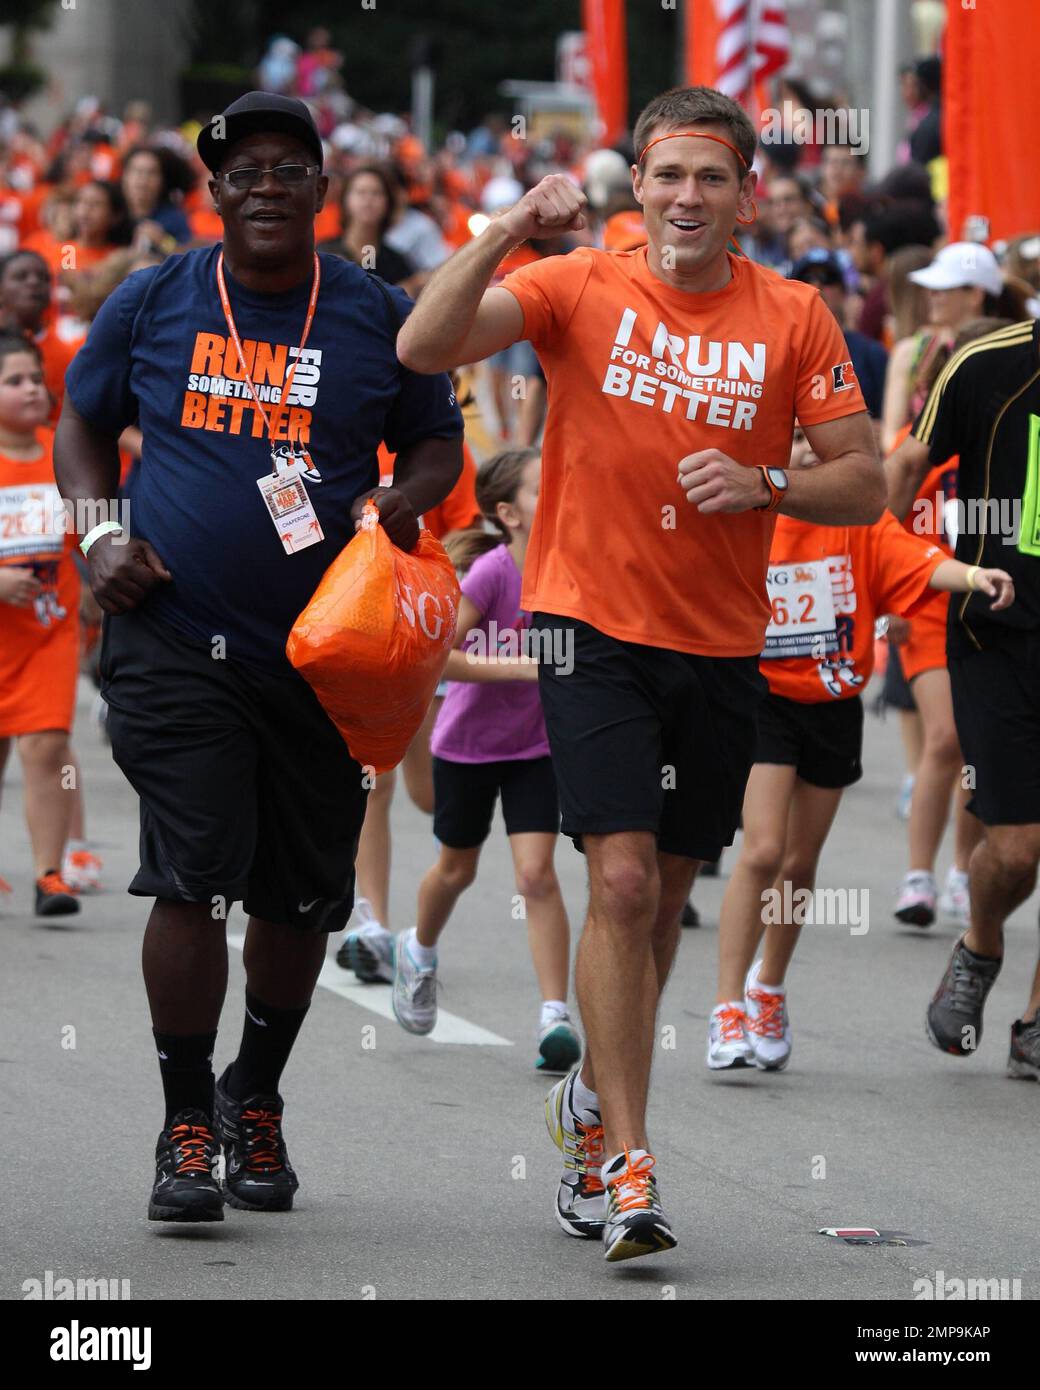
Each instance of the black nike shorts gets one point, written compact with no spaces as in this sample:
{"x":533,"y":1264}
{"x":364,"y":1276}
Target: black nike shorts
{"x":996,"y":707}
{"x":823,"y":742}
{"x":247,"y":791}
{"x":645,"y":738}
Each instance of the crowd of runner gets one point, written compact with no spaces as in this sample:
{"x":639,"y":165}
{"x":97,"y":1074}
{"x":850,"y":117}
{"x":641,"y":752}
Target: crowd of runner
{"x":845,"y":305}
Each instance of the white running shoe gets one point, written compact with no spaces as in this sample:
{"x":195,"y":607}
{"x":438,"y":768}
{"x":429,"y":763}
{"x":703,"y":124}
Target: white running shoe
{"x":368,"y":950}
{"x":581,"y":1202}
{"x":955,"y":901}
{"x":636,"y":1225}
{"x":559,"y":1046}
{"x":414,"y":997}
{"x":769,"y":1028}
{"x":916,"y":901}
{"x":80,"y":868}
{"x":728,"y":1044}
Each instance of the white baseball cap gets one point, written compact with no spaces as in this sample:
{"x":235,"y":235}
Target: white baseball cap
{"x":959,"y":265}
{"x":501,"y":192}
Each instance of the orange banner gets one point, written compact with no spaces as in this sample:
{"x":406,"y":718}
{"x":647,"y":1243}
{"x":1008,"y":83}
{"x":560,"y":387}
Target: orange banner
{"x":989,"y":77}
{"x":701,"y":37}
{"x":607,"y":45}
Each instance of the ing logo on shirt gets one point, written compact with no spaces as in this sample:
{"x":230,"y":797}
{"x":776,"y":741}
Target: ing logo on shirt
{"x":217,"y":398}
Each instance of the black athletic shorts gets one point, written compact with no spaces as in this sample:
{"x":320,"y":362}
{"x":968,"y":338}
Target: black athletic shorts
{"x":248,"y":793}
{"x":464,"y":796}
{"x":996,"y":707}
{"x":822,"y":742}
{"x":645,"y":738}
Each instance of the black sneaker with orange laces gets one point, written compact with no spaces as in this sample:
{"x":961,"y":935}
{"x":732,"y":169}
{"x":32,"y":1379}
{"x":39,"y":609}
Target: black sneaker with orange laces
{"x":54,"y":897}
{"x":636,"y":1225}
{"x":257,"y":1173}
{"x":186,"y":1187}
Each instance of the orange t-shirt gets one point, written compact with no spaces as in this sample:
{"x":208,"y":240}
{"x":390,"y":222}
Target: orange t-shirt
{"x":827,"y":585}
{"x":57,"y":353}
{"x":639,"y":375}
{"x":459,"y":509}
{"x":39,"y":653}
{"x":56,"y":253}
{"x":929,"y":516}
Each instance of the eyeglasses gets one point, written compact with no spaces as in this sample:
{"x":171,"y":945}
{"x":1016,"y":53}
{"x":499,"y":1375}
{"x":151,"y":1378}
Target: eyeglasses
{"x":287,"y":174}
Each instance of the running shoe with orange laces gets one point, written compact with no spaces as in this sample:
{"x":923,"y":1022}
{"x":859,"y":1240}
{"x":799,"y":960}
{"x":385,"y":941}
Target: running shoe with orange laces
{"x":636,"y":1225}
{"x":186,"y":1187}
{"x":581,"y":1203}
{"x":728,"y":1043}
{"x":257,"y":1173}
{"x":54,"y":897}
{"x":768,"y":1026}
{"x":81,"y":868}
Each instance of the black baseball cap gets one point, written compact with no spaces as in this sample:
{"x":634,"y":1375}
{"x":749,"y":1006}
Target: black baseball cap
{"x":818,"y":264}
{"x":256,"y":113}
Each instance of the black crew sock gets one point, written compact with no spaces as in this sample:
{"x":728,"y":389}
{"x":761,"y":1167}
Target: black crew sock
{"x":186,"y":1066}
{"x":268,"y":1035}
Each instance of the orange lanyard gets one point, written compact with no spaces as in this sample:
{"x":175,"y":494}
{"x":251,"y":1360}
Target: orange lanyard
{"x":229,"y":317}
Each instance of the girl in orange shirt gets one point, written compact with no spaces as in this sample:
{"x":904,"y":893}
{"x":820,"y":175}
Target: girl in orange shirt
{"x":39,"y":602}
{"x":827,"y":584}
{"x":25,"y":298}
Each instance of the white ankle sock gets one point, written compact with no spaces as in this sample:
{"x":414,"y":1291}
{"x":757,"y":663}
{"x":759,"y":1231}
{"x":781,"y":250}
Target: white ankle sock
{"x":583,"y":1098}
{"x":425,"y":957}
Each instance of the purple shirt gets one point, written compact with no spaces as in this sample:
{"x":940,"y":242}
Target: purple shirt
{"x":495,"y":722}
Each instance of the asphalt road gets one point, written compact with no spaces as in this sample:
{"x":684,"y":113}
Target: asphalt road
{"x":425,"y":1168}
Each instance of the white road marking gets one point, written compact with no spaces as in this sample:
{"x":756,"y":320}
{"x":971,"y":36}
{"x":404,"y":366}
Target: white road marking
{"x":376,"y":998}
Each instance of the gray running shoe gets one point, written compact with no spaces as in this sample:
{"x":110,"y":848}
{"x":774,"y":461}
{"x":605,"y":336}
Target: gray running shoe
{"x":954,"y":1018}
{"x":1024,"y":1057}
{"x":414,"y":998}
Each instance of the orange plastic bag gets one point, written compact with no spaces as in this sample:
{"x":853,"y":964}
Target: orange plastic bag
{"x":375,"y":638}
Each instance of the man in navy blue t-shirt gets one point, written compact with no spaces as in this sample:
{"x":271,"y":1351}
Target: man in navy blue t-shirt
{"x":263,"y":378}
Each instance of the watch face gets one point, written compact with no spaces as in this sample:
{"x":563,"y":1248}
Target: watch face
{"x":777,"y":477}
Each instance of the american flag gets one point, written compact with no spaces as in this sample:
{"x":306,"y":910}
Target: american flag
{"x":752,"y":43}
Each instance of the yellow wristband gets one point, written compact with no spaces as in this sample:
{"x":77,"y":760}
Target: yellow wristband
{"x":970,"y":577}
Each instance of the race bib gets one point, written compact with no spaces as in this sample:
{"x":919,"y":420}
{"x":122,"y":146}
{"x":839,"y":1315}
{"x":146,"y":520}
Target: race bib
{"x":291,"y":510}
{"x":32,"y":521}
{"x":801,"y":601}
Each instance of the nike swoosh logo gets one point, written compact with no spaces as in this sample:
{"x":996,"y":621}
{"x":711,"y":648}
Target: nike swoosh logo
{"x":164,"y":1056}
{"x":258,"y":1021}
{"x":306,"y":907}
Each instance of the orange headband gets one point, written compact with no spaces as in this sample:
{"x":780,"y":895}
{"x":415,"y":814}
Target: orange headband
{"x":697,"y":135}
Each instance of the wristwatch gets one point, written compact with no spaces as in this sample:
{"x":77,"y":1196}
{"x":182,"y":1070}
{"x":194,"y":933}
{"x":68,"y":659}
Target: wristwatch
{"x":776,"y":482}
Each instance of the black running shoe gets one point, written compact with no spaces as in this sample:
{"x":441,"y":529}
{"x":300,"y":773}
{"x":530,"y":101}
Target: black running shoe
{"x":954,"y":1018}
{"x":186,"y":1188}
{"x":690,"y":916}
{"x":54,"y":897}
{"x":257,"y":1173}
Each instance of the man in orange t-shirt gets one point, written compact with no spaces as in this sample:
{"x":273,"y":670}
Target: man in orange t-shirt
{"x":674,"y":375}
